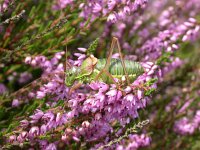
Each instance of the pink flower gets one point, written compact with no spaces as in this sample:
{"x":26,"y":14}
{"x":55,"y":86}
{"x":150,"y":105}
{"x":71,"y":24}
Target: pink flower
{"x":97,"y":8}
{"x":40,"y":94}
{"x":34,"y":131}
{"x":51,"y":146}
{"x":112,"y":18}
{"x":111,"y":4}
{"x":15,"y":103}
{"x":12,"y":138}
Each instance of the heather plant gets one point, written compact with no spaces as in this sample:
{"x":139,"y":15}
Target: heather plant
{"x":116,"y":74}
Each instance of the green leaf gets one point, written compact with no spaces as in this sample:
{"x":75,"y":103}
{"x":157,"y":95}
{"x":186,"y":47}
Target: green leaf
{"x":149,"y":92}
{"x":92,"y":47}
{"x":151,"y":81}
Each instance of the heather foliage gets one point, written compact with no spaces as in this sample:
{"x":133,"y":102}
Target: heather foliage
{"x":50,"y":94}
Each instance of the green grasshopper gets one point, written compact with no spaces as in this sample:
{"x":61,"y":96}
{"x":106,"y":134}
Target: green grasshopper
{"x":93,"y":69}
{"x":105,"y":70}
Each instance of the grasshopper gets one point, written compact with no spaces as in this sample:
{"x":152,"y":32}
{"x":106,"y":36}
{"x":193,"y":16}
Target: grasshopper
{"x":105,"y":70}
{"x":92,"y":69}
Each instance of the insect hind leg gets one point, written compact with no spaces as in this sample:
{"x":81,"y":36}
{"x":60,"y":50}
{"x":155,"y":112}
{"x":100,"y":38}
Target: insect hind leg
{"x":122,"y":60}
{"x":115,"y":41}
{"x":106,"y":67}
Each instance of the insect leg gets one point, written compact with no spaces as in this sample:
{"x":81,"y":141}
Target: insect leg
{"x":122,"y":61}
{"x":106,"y":67}
{"x":74,"y":87}
{"x":67,"y":65}
{"x":26,"y":87}
{"x":111,"y":77}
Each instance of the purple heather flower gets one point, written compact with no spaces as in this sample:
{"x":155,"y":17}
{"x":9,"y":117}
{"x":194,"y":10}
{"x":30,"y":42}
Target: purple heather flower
{"x":196,"y":118}
{"x":75,"y":138}
{"x":58,"y":117}
{"x":24,"y":77}
{"x":112,"y":18}
{"x":111,"y":4}
{"x":86,"y":124}
{"x":37,"y":115}
{"x":64,"y":138}
{"x":98,"y":116}
{"x":48,"y":116}
{"x":20,"y":139}
{"x":137,"y":141}
{"x":12,"y":138}
{"x":80,"y":97}
{"x":140,"y":94}
{"x":184,"y":126}
{"x":103,"y":87}
{"x":34,"y":131}
{"x":4,"y":5}
{"x":31,"y":94}
{"x":3,"y":88}
{"x":28,"y":60}
{"x":134,"y":142}
{"x":43,"y":129}
{"x":15,"y":103}
{"x":70,"y":114}
{"x":103,"y":103}
{"x":43,"y":144}
{"x":97,"y":8}
{"x":185,"y":106}
{"x":51,"y":146}
{"x":131,"y":98}
{"x":24,"y":123}
{"x":112,"y":93}
{"x":40,"y":94}
{"x":24,"y":134}
{"x":81,"y":49}
{"x":128,"y":89}
{"x":127,"y":10}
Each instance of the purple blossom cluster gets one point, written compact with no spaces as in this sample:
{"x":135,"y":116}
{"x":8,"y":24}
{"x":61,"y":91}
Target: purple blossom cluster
{"x":24,"y":77}
{"x":135,"y":142}
{"x":182,"y":105}
{"x":3,"y":88}
{"x":20,"y":78}
{"x":166,"y":40}
{"x":114,"y":9}
{"x":102,"y":105}
{"x":30,"y":128}
{"x":60,"y":4}
{"x":174,"y":102}
{"x":186,"y":126}
{"x":190,"y":7}
{"x":174,"y":27}
{"x":176,"y":63}
{"x":4,"y":5}
{"x":177,"y":101}
{"x":53,"y":72}
{"x":93,"y":111}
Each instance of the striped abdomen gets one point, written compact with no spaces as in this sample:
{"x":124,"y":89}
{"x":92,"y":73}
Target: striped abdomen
{"x":133,"y":69}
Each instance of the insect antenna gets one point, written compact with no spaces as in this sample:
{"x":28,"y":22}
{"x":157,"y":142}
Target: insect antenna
{"x":67,"y":65}
{"x":26,"y":87}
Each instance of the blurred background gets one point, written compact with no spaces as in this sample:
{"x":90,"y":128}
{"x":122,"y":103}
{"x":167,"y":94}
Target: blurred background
{"x":165,"y":33}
